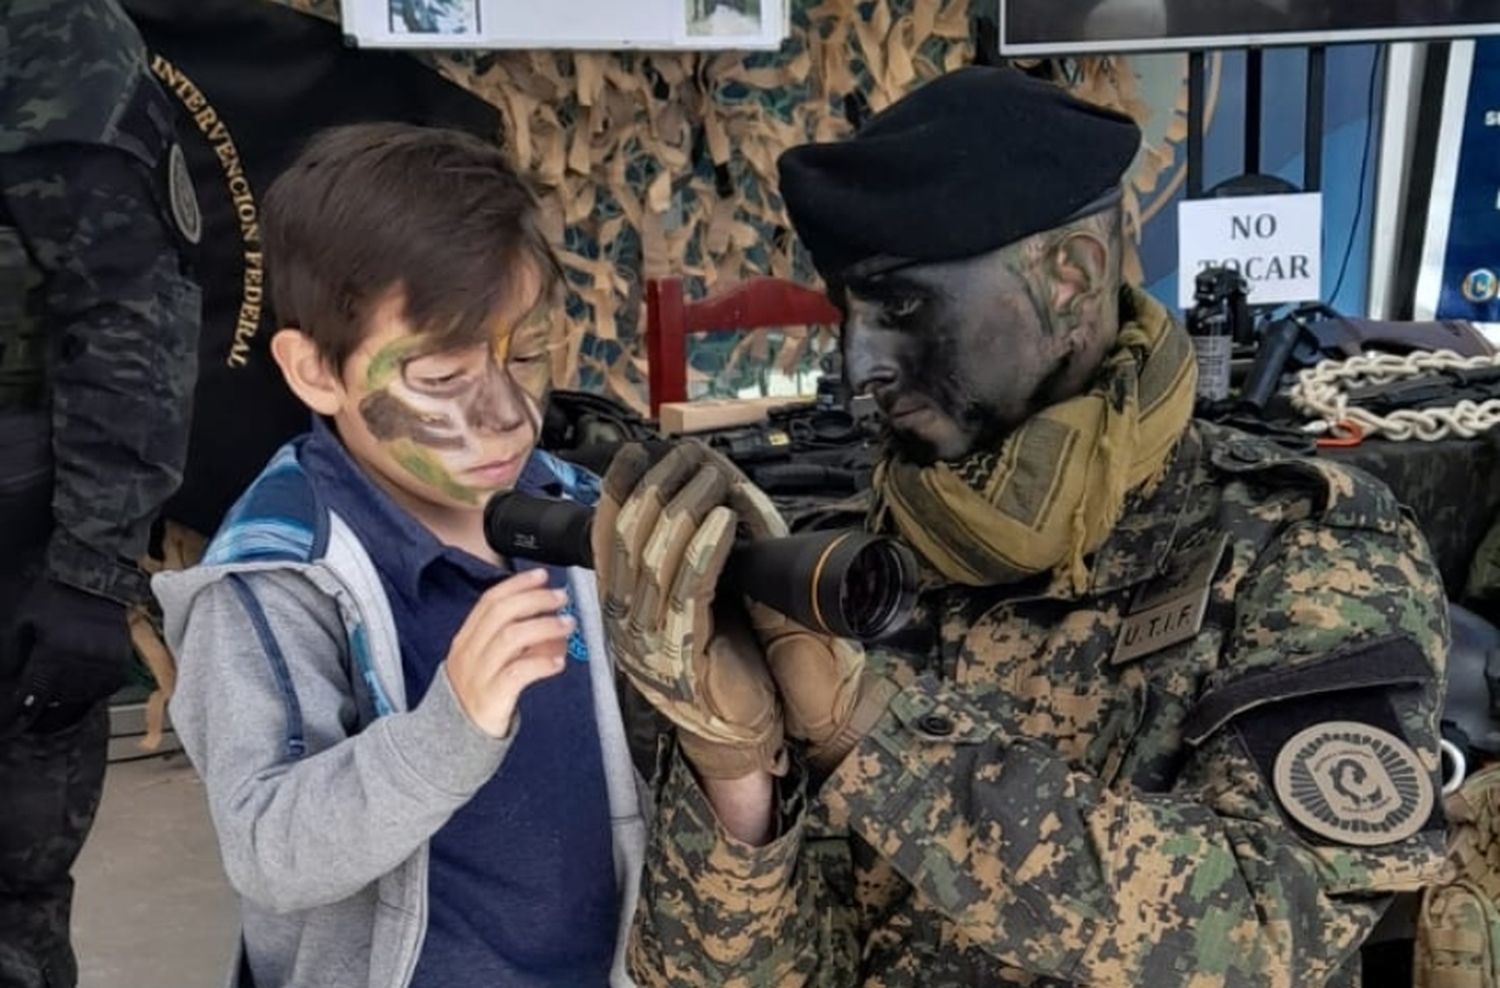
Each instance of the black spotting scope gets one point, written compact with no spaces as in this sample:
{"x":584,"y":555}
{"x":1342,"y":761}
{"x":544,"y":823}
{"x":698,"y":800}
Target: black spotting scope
{"x":847,"y":583}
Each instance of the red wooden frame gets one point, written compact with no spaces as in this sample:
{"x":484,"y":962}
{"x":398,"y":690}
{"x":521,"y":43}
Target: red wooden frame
{"x":760,"y":303}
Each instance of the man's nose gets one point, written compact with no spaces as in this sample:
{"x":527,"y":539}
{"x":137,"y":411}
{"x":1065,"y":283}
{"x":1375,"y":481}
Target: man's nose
{"x":870,"y":363}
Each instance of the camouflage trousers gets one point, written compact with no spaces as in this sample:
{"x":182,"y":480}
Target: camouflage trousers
{"x":49,"y":790}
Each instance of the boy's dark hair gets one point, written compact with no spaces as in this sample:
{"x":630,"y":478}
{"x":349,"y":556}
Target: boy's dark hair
{"x":439,"y":215}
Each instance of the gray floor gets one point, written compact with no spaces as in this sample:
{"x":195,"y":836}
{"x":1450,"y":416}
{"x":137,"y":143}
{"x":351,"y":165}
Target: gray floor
{"x":152,"y":907}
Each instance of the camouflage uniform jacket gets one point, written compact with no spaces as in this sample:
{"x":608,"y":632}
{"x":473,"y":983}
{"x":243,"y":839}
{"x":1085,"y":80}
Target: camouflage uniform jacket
{"x":1036,"y":809}
{"x":98,"y":319}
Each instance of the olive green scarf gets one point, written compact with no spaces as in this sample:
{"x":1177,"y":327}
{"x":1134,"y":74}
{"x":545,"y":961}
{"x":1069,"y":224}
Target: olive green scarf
{"x":1057,"y":486}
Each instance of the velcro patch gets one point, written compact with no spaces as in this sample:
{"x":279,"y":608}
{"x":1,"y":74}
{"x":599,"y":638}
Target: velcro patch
{"x":1393,"y":660}
{"x":1325,"y":737}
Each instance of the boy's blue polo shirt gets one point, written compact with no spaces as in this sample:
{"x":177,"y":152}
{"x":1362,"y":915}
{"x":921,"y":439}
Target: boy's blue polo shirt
{"x":521,"y":886}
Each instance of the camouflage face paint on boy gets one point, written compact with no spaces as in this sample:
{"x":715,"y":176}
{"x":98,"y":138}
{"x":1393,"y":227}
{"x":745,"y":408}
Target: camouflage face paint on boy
{"x":454,"y":425}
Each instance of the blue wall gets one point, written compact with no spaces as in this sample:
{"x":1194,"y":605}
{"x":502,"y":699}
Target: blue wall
{"x":1351,"y":124}
{"x":1471,"y":258}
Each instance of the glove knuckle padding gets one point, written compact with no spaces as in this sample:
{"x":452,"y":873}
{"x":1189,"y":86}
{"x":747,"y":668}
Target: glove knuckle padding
{"x":674,"y":536}
{"x":616,"y":602}
{"x":684,"y":625}
{"x":665,"y":554}
{"x":624,"y":473}
{"x":638,"y":519}
{"x":756,"y":511}
{"x":702,"y":564}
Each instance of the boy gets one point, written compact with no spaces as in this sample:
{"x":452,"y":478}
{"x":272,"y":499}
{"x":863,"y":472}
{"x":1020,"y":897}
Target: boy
{"x":412,"y":748}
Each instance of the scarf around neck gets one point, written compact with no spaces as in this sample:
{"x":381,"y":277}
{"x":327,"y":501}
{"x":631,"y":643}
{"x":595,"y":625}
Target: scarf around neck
{"x":1056,"y":487}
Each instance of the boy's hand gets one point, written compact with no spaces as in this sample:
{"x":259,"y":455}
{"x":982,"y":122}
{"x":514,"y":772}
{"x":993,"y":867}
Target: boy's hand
{"x":512,"y":638}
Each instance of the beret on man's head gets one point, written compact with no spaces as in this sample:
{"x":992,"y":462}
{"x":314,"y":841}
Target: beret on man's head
{"x":972,"y":161}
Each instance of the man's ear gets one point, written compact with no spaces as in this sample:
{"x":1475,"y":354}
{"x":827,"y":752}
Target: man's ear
{"x":307,"y":373}
{"x":1079,"y":265}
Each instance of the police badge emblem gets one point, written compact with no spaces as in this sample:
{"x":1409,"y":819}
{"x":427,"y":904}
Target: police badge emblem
{"x":182,"y":197}
{"x":1353,"y":783}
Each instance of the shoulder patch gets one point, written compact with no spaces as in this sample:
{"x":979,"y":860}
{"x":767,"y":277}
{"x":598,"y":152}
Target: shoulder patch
{"x":1353,"y":783}
{"x":182,"y":197}
{"x":1325,"y":737}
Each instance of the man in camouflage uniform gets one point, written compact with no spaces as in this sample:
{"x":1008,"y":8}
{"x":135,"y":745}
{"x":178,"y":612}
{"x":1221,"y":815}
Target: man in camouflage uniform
{"x":1167,"y":714}
{"x":98,"y":331}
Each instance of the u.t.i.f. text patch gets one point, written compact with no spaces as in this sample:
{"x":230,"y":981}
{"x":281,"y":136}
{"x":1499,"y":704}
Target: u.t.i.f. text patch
{"x":1170,"y":609}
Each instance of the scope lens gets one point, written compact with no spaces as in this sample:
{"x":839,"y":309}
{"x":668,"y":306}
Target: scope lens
{"x":876,"y":591}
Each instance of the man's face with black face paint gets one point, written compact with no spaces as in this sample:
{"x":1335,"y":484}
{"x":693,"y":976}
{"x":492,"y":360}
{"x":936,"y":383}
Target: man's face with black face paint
{"x":959,"y":353}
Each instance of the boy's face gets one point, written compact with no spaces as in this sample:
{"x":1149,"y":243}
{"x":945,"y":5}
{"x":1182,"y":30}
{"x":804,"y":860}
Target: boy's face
{"x":445,"y":428}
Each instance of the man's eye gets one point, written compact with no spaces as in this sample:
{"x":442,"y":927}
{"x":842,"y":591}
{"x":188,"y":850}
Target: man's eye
{"x":526,"y":358}
{"x":439,"y":380}
{"x":903,"y":307}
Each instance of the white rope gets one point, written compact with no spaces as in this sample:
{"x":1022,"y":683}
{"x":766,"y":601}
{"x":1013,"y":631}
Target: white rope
{"x":1321,"y":394}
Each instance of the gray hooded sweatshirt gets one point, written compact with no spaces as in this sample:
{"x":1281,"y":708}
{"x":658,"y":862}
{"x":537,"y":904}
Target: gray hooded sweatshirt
{"x":323,"y":786}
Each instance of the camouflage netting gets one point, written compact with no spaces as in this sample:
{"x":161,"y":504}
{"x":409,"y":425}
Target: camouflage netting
{"x":657,"y":163}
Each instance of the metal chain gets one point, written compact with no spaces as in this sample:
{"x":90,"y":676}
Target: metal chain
{"x":1320,"y":394}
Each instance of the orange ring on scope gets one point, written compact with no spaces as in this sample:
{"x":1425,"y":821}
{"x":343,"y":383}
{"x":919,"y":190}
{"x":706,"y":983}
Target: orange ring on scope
{"x":817,"y":578}
{"x":1342,"y":435}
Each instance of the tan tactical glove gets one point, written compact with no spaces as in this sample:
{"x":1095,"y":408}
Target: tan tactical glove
{"x":828,"y":697}
{"x":660,"y":539}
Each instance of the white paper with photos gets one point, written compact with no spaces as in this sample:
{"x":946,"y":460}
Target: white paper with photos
{"x":567,"y":24}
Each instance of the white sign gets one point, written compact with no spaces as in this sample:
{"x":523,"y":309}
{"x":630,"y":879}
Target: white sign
{"x":608,"y":24}
{"x":1276,"y":242}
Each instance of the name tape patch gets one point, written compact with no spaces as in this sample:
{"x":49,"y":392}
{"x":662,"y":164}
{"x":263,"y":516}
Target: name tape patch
{"x":1171,"y":609}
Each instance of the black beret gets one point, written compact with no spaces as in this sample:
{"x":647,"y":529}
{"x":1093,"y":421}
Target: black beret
{"x":972,"y":161}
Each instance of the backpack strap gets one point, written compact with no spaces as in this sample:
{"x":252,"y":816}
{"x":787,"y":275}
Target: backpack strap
{"x":296,"y":745}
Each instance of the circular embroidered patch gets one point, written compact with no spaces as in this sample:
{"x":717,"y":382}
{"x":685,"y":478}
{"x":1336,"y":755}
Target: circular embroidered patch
{"x":1353,"y":783}
{"x":183,"y":197}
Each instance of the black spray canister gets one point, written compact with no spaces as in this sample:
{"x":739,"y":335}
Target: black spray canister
{"x":1218,"y":311}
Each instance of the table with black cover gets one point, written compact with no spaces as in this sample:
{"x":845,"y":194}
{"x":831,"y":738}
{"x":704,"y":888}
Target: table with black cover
{"x":1451,"y":486}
